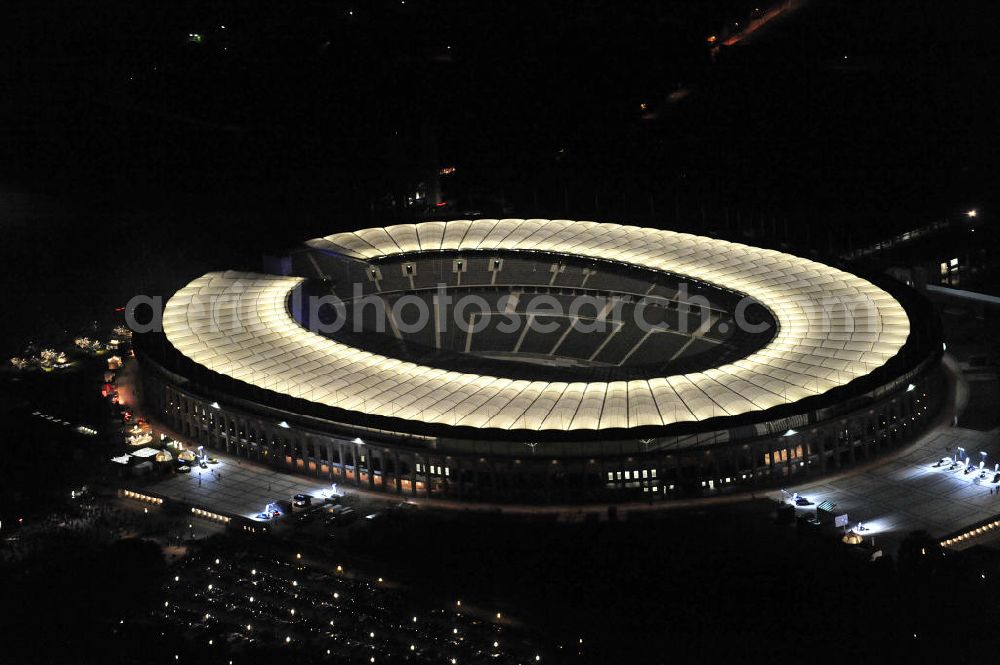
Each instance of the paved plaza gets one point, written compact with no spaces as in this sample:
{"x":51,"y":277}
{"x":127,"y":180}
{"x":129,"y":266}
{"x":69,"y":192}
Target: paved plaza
{"x":236,"y":487}
{"x":908,"y":493}
{"x":892,"y":498}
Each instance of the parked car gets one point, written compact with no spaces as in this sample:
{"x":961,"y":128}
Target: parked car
{"x":341,"y":515}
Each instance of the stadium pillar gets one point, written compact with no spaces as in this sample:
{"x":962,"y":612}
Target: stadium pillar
{"x":716,"y":470}
{"x":395,"y":472}
{"x":354,"y":463}
{"x":445,"y":477}
{"x":427,"y":475}
{"x":841,"y":445}
{"x":770,"y":460}
{"x":370,"y":464}
{"x":413,"y":475}
{"x":383,"y":455}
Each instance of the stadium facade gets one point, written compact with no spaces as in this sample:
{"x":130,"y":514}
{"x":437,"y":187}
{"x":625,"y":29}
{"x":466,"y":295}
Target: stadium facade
{"x":545,"y":361}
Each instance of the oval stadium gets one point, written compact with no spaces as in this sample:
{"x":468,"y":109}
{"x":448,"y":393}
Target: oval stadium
{"x":545,"y":361}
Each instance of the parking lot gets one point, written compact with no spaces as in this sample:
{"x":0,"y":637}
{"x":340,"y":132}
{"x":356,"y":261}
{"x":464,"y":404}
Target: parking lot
{"x":316,"y":612}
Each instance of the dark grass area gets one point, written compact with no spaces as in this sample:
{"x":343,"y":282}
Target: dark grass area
{"x":716,"y":586}
{"x":984,"y":396}
{"x":719,"y":585}
{"x":969,"y":333}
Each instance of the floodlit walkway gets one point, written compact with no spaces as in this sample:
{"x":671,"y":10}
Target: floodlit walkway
{"x":907,"y":493}
{"x":903,"y":492}
{"x":236,"y":487}
{"x":893,"y":495}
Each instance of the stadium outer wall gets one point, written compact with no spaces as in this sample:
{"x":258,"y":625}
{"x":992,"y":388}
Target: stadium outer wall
{"x":255,"y":425}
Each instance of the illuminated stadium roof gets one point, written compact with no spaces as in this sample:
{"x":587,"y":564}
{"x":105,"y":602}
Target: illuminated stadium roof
{"x":833,"y":327}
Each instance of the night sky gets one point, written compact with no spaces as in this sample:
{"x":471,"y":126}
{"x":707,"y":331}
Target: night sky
{"x":136,"y":157}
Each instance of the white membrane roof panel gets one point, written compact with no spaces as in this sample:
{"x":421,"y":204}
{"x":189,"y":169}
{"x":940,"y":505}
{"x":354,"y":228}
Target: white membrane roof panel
{"x":832,"y":328}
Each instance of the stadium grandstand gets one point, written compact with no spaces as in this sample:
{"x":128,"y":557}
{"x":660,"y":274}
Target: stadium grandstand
{"x":545,"y":361}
